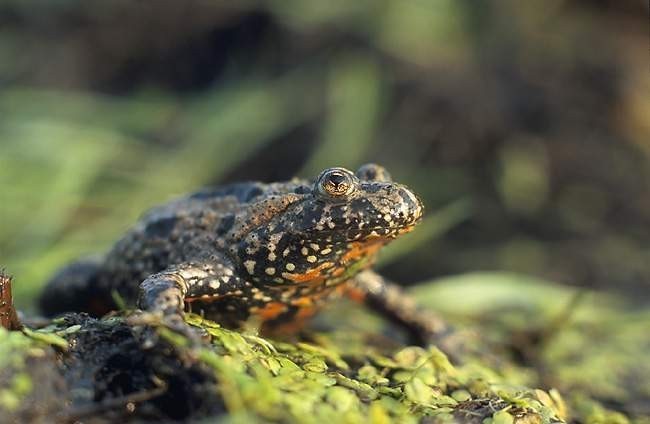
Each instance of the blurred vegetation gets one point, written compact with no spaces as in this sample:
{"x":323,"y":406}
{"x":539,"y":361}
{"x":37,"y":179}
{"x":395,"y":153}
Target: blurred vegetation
{"x":524,"y":127}
{"x":506,"y":108}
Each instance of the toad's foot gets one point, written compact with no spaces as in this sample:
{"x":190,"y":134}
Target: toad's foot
{"x":425,"y":327}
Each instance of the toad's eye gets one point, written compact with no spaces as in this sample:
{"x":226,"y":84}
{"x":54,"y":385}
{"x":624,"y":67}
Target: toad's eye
{"x":336,"y":182}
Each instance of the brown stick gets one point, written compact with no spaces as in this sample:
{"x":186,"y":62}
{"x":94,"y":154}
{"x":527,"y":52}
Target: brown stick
{"x":126,"y":404}
{"x":8,"y":317}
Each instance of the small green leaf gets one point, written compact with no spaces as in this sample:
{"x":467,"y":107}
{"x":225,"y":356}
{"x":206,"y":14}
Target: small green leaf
{"x":365,"y":391}
{"x":341,"y":398}
{"x":49,"y":338}
{"x":502,"y":417}
{"x":418,"y":392}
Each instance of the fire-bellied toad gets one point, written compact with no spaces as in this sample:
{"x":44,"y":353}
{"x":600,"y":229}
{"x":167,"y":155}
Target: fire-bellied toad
{"x":276,"y":251}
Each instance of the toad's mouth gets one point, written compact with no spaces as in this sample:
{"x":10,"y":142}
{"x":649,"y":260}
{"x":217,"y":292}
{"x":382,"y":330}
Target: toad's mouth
{"x":387,"y":233}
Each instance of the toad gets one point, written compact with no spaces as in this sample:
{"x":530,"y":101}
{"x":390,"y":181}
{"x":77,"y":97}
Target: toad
{"x":277,"y":252}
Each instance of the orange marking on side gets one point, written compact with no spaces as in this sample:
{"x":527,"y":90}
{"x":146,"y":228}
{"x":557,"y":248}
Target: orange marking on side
{"x":303,"y":302}
{"x":272,"y":310}
{"x":338,"y":271}
{"x":304,"y":313}
{"x":360,"y":250}
{"x":405,"y":230}
{"x":355,"y":294}
{"x":340,"y":289}
{"x":309,"y":276}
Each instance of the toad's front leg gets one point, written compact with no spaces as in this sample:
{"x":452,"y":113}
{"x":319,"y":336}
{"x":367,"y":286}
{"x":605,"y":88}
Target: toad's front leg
{"x":390,"y":301}
{"x":163,"y":292}
{"x":168,"y":291}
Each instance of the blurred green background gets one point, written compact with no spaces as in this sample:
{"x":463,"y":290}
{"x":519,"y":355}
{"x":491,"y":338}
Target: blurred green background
{"x":524,"y":126}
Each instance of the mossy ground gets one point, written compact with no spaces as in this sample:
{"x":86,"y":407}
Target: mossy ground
{"x":514,"y":369}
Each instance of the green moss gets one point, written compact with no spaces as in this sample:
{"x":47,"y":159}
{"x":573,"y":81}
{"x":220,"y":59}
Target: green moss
{"x":303,"y":382}
{"x":16,"y":350}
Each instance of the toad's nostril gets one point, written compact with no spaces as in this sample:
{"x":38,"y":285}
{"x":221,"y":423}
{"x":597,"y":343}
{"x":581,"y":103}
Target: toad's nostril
{"x":410,"y":198}
{"x":418,"y":212}
{"x":412,"y":204}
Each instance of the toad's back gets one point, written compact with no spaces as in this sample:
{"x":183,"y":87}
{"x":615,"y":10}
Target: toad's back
{"x":180,"y":231}
{"x":188,"y":228}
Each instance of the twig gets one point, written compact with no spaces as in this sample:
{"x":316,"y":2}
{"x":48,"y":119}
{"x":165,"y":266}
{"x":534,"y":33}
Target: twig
{"x":8,"y":317}
{"x":124,"y":402}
